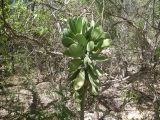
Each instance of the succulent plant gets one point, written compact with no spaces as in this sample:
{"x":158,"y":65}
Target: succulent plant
{"x":84,"y":42}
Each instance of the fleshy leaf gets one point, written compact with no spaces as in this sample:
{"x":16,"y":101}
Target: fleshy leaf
{"x":74,"y":75}
{"x":74,"y":64}
{"x":94,"y":83}
{"x":95,"y":70}
{"x":66,"y":41}
{"x":81,"y":39}
{"x":96,"y":33}
{"x":90,"y":46}
{"x":72,"y":25}
{"x":106,"y":43}
{"x":88,"y":33}
{"x":79,"y":81}
{"x":99,"y":57}
{"x":79,"y":25}
{"x":84,"y":23}
{"x":68,"y":33}
{"x":75,"y":50}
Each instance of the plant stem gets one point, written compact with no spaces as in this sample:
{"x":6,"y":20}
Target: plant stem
{"x":82,"y":104}
{"x":84,"y":92}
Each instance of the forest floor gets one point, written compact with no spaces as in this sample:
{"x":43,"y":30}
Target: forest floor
{"x":116,"y":101}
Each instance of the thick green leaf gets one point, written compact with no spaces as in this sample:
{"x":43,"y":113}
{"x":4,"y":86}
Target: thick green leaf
{"x":66,"y":41}
{"x":79,"y":81}
{"x":99,"y":57}
{"x":81,"y":39}
{"x":103,"y":35}
{"x":98,"y":71}
{"x":106,"y":43}
{"x":90,"y":46}
{"x":95,"y":70}
{"x":74,"y":75}
{"x":96,"y":33}
{"x":72,"y":25}
{"x":74,"y":64}
{"x":103,"y":43}
{"x":88,"y":33}
{"x":84,"y":29}
{"x":75,"y":50}
{"x":93,"y":75}
{"x":68,"y":33}
{"x":79,"y":25}
{"x":94,"y":83}
{"x":84,"y":24}
{"x":98,"y":41}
